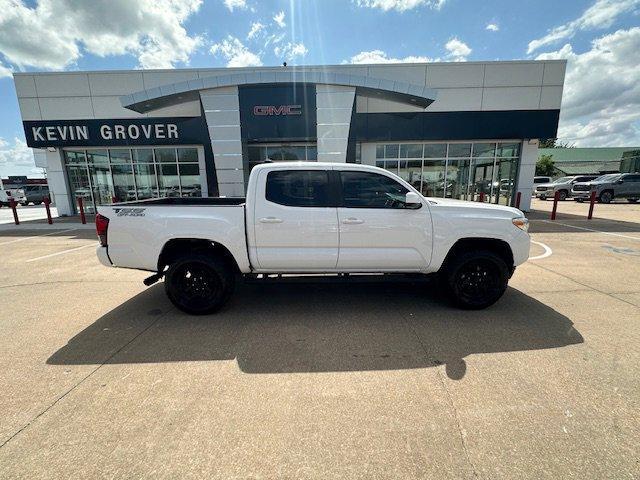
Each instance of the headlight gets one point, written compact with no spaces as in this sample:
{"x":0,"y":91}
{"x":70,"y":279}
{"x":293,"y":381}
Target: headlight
{"x":522,"y":223}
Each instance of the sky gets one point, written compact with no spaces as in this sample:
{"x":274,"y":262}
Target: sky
{"x":599,"y":38}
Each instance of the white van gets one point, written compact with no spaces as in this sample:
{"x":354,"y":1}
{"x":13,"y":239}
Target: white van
{"x":6,"y":195}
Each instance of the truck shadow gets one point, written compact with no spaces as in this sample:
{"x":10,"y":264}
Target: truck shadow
{"x":287,"y":327}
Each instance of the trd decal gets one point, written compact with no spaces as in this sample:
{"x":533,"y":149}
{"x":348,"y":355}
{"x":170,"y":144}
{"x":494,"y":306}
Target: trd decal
{"x":129,"y":212}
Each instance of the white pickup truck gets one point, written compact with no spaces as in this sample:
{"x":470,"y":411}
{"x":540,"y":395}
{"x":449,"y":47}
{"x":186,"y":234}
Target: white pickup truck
{"x":309,"y":218}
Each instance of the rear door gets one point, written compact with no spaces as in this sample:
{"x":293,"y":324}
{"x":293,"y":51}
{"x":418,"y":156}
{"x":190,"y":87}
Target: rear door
{"x":377,"y":230}
{"x":296,"y":225}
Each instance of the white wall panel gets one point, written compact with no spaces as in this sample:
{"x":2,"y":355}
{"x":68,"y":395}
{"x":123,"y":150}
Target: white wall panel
{"x":29,"y":109}
{"x":334,"y":106}
{"x":528,"y":159}
{"x":158,"y":78}
{"x":184,"y":109}
{"x":231,"y":189}
{"x":115,"y":83}
{"x":62,"y":108}
{"x":25,"y":85}
{"x":63,"y":85}
{"x":110,"y":107}
{"x":230,"y":176}
{"x":377,"y":105}
{"x":513,"y":74}
{"x":511,"y":98}
{"x":554,"y":73}
{"x":551,"y":98}
{"x":455,"y":75}
{"x":457,"y":99}
{"x":414,"y":74}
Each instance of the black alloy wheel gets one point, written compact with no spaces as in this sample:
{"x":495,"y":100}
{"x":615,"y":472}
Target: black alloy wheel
{"x":198,"y":284}
{"x":477,"y":279}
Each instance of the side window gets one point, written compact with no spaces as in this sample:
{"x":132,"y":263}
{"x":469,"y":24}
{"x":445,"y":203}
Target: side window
{"x":298,"y":188}
{"x":632,"y":178}
{"x":371,"y":190}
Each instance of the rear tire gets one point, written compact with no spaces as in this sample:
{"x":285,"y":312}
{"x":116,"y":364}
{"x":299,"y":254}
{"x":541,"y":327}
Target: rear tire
{"x":37,"y":203}
{"x":606,"y":197}
{"x":476,"y":279}
{"x":199,"y":284}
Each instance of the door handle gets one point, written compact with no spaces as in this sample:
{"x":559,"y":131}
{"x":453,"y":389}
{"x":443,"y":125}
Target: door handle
{"x":352,"y":221}
{"x":270,"y":220}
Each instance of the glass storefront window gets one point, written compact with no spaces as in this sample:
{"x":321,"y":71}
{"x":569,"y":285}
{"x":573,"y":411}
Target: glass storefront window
{"x":411,"y":150}
{"x":464,"y":170}
{"x":190,"y":180}
{"x":120,"y":156}
{"x":142,"y":155}
{"x":312,"y":153}
{"x":101,"y":176}
{"x":146,"y":184}
{"x":459,"y":150}
{"x":435,"y":150}
{"x":168,"y":180}
{"x":509,"y":150}
{"x":433,"y":178}
{"x":165,"y":155}
{"x":187,"y":155}
{"x":391,"y":150}
{"x":123,"y":184}
{"x":484,"y":150}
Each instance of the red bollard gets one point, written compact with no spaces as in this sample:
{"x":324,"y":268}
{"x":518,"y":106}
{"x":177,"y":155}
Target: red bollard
{"x":47,"y":202}
{"x":83,"y":219}
{"x":114,"y":200}
{"x":518,"y":198}
{"x":12,"y":204}
{"x":592,"y":201}
{"x":481,"y":199}
{"x":556,"y":197}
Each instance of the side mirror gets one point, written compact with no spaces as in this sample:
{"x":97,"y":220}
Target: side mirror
{"x":619,"y":181}
{"x":412,"y":200}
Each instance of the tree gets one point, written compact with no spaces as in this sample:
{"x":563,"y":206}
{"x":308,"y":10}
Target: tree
{"x":554,"y":143}
{"x":545,"y":166}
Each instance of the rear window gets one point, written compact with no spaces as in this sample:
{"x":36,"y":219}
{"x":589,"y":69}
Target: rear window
{"x":298,"y":188}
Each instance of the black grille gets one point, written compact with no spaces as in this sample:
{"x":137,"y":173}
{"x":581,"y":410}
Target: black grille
{"x":542,"y":189}
{"x":581,"y":188}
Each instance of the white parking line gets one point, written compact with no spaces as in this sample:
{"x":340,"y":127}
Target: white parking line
{"x":593,"y":230}
{"x":547,"y":251}
{"x":36,"y":236}
{"x":60,"y":253}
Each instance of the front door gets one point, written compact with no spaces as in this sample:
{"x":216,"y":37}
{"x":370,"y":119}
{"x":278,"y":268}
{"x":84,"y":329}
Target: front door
{"x":295,"y":228}
{"x":377,"y":230}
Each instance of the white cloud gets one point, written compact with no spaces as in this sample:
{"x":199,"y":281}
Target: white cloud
{"x":602,"y":14}
{"x":256,"y":28}
{"x":290,"y":50}
{"x":239,"y":4}
{"x":400,"y":5}
{"x":458,"y":51}
{"x":53,"y":34}
{"x":279,"y":19}
{"x":601,"y":103}
{"x":4,"y":71}
{"x":16,"y":159}
{"x":378,"y":56}
{"x":236,"y":54}
{"x":492,"y":27}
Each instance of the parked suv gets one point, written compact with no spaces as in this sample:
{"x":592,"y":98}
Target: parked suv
{"x":35,"y":194}
{"x":562,"y":185}
{"x":609,"y":187}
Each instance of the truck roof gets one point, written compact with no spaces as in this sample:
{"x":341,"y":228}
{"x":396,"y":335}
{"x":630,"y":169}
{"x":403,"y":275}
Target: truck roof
{"x":318,"y":165}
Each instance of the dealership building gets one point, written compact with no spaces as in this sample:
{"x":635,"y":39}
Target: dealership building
{"x":461,"y":130}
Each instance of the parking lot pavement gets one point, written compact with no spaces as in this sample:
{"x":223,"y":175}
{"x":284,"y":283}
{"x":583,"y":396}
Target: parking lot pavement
{"x":25,"y":214}
{"x":102,"y":377}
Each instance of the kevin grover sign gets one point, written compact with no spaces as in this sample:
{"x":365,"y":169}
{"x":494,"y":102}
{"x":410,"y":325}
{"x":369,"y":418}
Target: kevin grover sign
{"x":98,"y":133}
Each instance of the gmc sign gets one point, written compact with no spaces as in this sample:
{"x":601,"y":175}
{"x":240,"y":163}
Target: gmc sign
{"x":271,"y":110}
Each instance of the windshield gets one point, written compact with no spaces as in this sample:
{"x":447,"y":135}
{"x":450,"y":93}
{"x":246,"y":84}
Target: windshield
{"x":563,"y":180}
{"x":607,"y":178}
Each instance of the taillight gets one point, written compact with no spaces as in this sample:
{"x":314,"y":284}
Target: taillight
{"x":102,"y":224}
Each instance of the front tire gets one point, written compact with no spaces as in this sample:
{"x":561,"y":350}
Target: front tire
{"x":476,"y":279}
{"x":632,"y":200}
{"x":199,"y":284}
{"x":606,"y":197}
{"x":562,"y":196}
